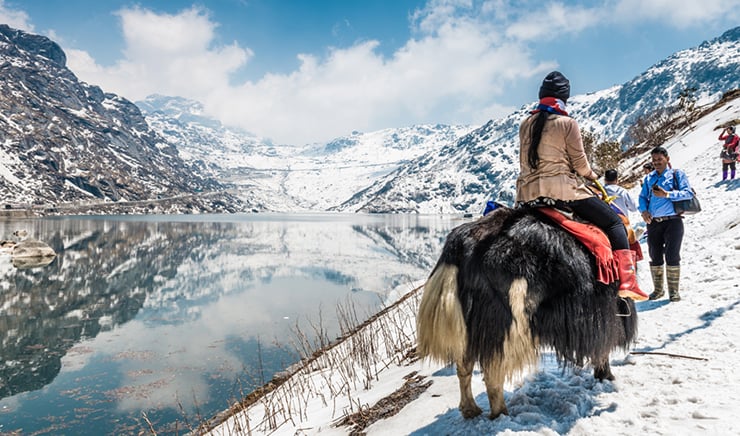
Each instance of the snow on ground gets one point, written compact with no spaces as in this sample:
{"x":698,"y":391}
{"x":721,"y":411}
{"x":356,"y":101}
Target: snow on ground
{"x":683,"y":384}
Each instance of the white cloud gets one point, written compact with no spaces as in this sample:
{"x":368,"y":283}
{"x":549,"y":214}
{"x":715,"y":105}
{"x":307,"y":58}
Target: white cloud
{"x":679,"y":13}
{"x":164,"y":54}
{"x":15,"y":18}
{"x":439,"y":13}
{"x":462,"y":58}
{"x":456,"y":66}
{"x":453,"y":70}
{"x":82,"y":63}
{"x":552,"y":20}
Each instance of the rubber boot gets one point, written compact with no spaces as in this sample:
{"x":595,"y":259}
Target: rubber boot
{"x":628,"y":287}
{"x":657,"y":272}
{"x":724,"y":175}
{"x":673,"y":274}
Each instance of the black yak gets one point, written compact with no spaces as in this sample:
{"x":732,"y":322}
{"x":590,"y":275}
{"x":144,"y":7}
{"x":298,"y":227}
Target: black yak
{"x":505,"y":287}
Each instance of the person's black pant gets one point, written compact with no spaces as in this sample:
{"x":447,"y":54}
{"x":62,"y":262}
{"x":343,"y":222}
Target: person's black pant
{"x":596,"y":211}
{"x":664,"y":242}
{"x":730,"y":165}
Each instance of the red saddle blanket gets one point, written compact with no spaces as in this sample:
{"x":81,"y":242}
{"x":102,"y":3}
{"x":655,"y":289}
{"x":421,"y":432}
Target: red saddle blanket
{"x":607,"y":270}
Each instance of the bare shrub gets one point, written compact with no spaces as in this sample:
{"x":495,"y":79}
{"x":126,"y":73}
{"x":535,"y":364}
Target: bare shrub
{"x":330,"y":371}
{"x":651,"y":129}
{"x":589,"y":142}
{"x":607,"y":155}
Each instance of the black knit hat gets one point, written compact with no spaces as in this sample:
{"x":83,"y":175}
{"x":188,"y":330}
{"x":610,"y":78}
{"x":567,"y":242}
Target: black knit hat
{"x":555,"y":85}
{"x":611,"y":175}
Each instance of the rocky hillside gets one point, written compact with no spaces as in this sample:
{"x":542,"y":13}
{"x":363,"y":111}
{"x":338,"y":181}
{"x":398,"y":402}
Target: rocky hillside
{"x":65,"y":142}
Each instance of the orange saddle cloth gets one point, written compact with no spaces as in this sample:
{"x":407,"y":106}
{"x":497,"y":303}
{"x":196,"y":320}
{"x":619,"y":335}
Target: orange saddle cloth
{"x":594,"y":239}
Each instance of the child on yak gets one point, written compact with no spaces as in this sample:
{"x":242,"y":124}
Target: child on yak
{"x":729,"y":151}
{"x":551,"y":156}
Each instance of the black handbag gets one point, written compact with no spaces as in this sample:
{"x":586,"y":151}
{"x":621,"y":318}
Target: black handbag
{"x":686,"y":207}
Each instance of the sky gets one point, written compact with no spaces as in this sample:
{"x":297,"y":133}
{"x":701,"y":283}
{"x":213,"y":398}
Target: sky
{"x":679,"y":378}
{"x":298,"y":72}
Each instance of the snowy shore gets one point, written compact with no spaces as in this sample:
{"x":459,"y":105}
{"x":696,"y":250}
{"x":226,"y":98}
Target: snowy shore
{"x":678,"y":379}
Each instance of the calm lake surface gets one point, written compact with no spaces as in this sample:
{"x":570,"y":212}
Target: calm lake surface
{"x":170,"y":319}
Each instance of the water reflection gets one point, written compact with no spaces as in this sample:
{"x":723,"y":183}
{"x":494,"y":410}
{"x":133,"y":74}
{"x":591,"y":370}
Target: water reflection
{"x":144,"y":314}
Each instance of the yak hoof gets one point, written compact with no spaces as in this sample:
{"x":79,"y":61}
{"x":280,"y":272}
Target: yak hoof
{"x":495,"y":415}
{"x":603,"y":374}
{"x":470,"y":411}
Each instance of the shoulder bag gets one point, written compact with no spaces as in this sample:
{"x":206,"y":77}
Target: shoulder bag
{"x":686,"y":207}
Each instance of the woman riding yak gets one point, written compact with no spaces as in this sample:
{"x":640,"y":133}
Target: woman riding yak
{"x":551,"y":158}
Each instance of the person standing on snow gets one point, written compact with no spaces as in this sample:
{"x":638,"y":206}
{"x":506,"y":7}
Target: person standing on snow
{"x":625,"y":204}
{"x":664,"y":226}
{"x":623,"y":200}
{"x":646,"y":169}
{"x":551,"y":155}
{"x":729,"y":151}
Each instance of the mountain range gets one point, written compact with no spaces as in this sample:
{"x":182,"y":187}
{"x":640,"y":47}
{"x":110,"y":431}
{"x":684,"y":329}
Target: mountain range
{"x":69,"y":147}
{"x":453,"y":169}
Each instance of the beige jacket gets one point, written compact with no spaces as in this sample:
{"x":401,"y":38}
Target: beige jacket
{"x":561,"y":157}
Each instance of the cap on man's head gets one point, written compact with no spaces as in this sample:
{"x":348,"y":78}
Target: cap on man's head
{"x":611,"y":175}
{"x":555,"y":85}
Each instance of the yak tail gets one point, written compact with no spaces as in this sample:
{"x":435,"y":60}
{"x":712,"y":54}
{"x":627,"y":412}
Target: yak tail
{"x":440,"y":325}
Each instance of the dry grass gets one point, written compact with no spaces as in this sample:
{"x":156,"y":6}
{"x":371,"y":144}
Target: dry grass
{"x":329,"y":372}
{"x":386,"y":407}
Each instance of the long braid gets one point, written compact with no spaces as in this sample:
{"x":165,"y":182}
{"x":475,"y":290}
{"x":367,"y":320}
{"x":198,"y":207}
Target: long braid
{"x":533,"y":157}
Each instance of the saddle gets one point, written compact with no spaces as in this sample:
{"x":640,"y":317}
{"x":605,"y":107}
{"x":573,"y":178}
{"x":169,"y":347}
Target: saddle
{"x":593,"y":238}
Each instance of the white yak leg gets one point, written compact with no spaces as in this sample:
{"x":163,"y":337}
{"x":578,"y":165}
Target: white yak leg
{"x":493,"y":375}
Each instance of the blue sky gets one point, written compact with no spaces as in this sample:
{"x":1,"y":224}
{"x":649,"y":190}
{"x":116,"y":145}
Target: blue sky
{"x":303,"y":71}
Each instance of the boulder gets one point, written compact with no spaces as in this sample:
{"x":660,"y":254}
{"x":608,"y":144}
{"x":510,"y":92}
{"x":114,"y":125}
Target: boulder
{"x":31,"y":253}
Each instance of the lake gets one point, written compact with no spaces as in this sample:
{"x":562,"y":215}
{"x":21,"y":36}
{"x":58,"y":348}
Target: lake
{"x":156,"y":323}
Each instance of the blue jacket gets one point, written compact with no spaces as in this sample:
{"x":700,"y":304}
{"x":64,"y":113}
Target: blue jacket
{"x":658,"y":206}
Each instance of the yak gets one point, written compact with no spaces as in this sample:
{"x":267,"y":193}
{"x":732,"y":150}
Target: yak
{"x":509,"y":285}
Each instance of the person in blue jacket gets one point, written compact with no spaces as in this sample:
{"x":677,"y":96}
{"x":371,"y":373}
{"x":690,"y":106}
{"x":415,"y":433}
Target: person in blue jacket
{"x":665,"y":229}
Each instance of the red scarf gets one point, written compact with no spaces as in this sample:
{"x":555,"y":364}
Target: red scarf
{"x":552,"y":105}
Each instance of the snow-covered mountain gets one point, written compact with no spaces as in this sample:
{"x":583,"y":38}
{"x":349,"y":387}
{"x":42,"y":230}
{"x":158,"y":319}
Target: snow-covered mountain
{"x":483,"y":165}
{"x":712,"y":68}
{"x":426,"y":169}
{"x":284,"y":177}
{"x":203,"y":140}
{"x":452,"y":179}
{"x":64,"y":141}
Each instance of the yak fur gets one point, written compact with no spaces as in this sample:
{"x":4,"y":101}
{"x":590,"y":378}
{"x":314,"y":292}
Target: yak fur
{"x":509,"y":285}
